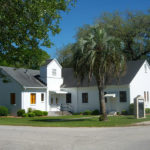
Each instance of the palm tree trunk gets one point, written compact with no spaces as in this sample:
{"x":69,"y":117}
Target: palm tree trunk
{"x":102,"y":103}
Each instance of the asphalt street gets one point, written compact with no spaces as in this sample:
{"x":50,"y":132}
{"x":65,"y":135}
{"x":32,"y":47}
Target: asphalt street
{"x":53,"y":138}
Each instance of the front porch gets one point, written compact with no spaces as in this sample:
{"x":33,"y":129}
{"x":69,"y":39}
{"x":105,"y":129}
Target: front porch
{"x":57,"y":103}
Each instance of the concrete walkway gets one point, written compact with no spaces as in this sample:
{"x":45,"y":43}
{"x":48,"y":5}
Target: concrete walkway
{"x":145,"y":123}
{"x":46,"y":138}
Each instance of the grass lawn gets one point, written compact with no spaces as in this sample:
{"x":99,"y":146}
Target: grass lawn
{"x":72,"y":121}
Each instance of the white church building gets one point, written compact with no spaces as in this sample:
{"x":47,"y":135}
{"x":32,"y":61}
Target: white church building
{"x":53,"y":88}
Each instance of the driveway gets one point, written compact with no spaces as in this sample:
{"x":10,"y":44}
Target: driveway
{"x":46,"y":138}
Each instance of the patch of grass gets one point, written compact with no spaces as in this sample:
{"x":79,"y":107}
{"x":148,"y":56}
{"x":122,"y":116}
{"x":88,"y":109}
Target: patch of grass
{"x":72,"y":121}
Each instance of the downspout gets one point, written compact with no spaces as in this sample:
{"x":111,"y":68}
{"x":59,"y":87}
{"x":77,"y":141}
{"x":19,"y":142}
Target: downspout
{"x":77,"y":100}
{"x":47,"y":99}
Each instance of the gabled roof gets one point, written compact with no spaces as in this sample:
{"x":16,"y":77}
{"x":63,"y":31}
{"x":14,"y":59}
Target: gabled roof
{"x":25,"y":77}
{"x":31,"y":78}
{"x":50,"y":60}
{"x":47,"y":62}
{"x":131,"y":69}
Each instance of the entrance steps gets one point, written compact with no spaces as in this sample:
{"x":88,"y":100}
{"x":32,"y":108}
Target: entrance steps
{"x":59,"y":113}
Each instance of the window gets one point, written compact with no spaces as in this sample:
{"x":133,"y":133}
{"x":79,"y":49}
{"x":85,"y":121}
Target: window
{"x":54,"y":72}
{"x":147,"y":96}
{"x":105,"y":97}
{"x":68,"y":98}
{"x":84,"y":97}
{"x":51,"y":100}
{"x":56,"y":100}
{"x":33,"y":98}
{"x":42,"y":97}
{"x":123,"y":96}
{"x":12,"y":98}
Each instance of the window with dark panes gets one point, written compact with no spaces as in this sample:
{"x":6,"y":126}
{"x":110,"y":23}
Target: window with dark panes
{"x":105,"y":97}
{"x":12,"y":98}
{"x":145,"y":96}
{"x":56,"y":101}
{"x":68,"y":98}
{"x":42,"y":97}
{"x":84,"y":97}
{"x":123,"y":96}
{"x":51,"y":100}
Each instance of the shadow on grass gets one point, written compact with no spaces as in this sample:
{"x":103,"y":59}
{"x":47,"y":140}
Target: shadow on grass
{"x":131,"y":117}
{"x":59,"y":120}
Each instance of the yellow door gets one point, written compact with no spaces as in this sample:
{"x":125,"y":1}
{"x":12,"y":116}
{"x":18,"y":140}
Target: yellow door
{"x":33,"y":98}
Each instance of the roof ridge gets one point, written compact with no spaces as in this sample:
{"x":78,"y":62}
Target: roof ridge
{"x":18,"y":68}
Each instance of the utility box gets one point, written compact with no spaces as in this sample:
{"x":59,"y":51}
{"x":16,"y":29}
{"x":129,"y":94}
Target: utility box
{"x":139,"y":107}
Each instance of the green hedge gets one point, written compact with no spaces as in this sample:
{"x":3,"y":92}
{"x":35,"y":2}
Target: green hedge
{"x":95,"y":112}
{"x":45,"y":113}
{"x":20,"y":112}
{"x":87,"y":112}
{"x":31,"y":114}
{"x":38,"y":112}
{"x":3,"y":111}
{"x":131,"y":109}
{"x":124,"y":112}
{"x":30,"y":110}
{"x":147,"y":110}
{"x":25,"y":115}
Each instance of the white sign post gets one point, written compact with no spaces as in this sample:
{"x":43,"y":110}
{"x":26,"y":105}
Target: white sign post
{"x":139,"y":107}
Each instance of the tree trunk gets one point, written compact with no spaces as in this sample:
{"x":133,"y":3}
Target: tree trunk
{"x":102,"y":104}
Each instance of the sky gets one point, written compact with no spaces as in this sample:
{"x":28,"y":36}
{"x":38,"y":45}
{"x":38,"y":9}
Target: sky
{"x":86,"y":12}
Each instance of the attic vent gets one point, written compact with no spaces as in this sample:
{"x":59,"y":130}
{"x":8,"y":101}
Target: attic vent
{"x":145,"y":67}
{"x":54,"y":72}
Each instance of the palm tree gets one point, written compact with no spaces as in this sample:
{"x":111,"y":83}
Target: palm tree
{"x":99,"y":55}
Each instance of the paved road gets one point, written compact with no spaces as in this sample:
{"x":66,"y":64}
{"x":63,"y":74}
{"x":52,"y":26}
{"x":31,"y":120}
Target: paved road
{"x":45,"y":138}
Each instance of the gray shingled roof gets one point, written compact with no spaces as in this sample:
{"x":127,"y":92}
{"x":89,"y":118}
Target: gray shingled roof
{"x":131,"y":70}
{"x":25,"y":77}
{"x":31,"y":78}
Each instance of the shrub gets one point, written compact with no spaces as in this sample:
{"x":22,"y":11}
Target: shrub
{"x":30,"y":110}
{"x":20,"y":112}
{"x":25,"y":115}
{"x":3,"y":111}
{"x":131,"y":109}
{"x":76,"y":113}
{"x":124,"y":112}
{"x":101,"y":118}
{"x":87,"y":112}
{"x":95,"y":112}
{"x":31,"y":114}
{"x":38,"y":112}
{"x":45,"y":113}
{"x":147,"y":110}
{"x":118,"y":113}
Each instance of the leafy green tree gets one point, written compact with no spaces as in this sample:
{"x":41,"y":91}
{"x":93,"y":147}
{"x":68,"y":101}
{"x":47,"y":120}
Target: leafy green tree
{"x":65,"y":55}
{"x":99,"y":55}
{"x":32,"y":59}
{"x":26,"y":24}
{"x":24,"y":58}
{"x":132,"y":28}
